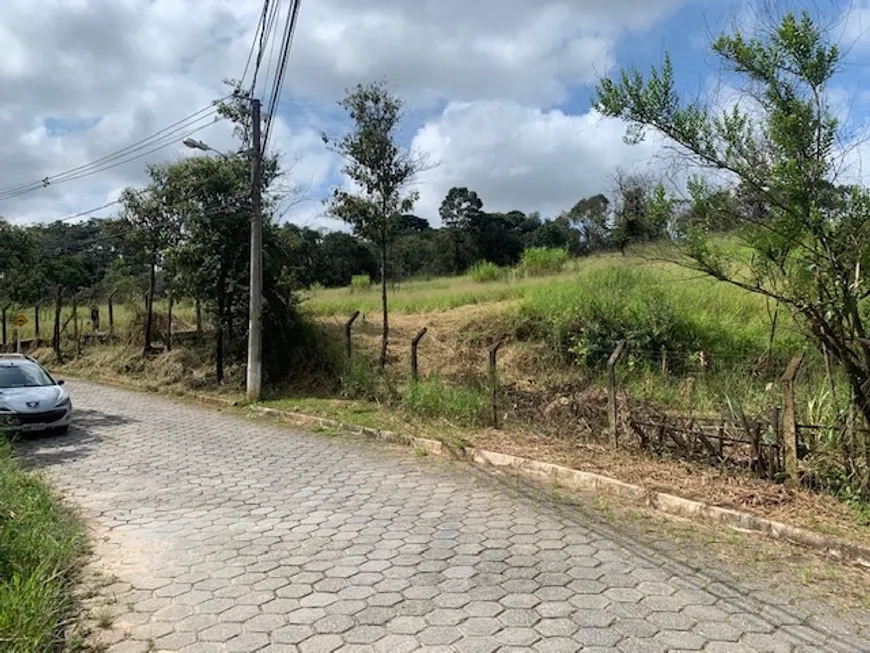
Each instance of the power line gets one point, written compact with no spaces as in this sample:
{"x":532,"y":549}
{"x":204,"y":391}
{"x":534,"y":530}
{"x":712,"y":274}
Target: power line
{"x":270,"y":12}
{"x":139,"y":153}
{"x":81,"y":214}
{"x":143,"y":147}
{"x":253,"y":48}
{"x":284,"y":57}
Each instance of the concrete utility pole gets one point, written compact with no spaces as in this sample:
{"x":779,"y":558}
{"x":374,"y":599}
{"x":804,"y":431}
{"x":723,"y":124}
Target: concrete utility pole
{"x":255,"y":304}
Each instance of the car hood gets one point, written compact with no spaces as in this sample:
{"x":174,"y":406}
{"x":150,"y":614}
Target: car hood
{"x":44,"y":398}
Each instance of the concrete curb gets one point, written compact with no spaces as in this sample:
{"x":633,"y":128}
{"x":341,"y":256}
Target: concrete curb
{"x":572,"y":479}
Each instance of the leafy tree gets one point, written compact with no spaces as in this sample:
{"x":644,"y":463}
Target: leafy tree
{"x":344,"y":256}
{"x":150,"y":227}
{"x":411,"y":224}
{"x":555,"y":234}
{"x":19,"y":264}
{"x":498,"y":237}
{"x":381,"y":170}
{"x":213,"y":196}
{"x":460,"y":209}
{"x":809,"y":247}
{"x":633,"y":220}
{"x":590,"y":217}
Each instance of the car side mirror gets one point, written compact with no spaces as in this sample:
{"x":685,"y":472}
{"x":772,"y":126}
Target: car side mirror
{"x":60,"y":381}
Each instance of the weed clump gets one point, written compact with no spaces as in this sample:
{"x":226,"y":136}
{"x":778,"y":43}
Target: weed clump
{"x":539,"y":261}
{"x":40,"y":543}
{"x":360,"y":283}
{"x":485,"y":271}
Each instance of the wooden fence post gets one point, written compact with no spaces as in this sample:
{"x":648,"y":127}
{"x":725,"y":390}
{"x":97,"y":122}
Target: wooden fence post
{"x":198,"y":309}
{"x":75,"y":320}
{"x":611,"y":392}
{"x":112,"y":313}
{"x":36,"y":325}
{"x":774,"y":426}
{"x":58,"y":306}
{"x":665,"y":370}
{"x":789,"y":419}
{"x":493,"y":378}
{"x":169,"y":324}
{"x":415,"y":375}
{"x":347,"y":339}
{"x":5,"y":308}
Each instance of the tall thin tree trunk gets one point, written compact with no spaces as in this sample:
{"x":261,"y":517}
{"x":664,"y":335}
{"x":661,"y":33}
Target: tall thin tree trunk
{"x":386,"y":332}
{"x":198,"y":304}
{"x":149,"y":305}
{"x":231,"y":333}
{"x":219,"y":331}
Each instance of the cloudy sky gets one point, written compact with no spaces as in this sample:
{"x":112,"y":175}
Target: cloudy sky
{"x":498,"y":90}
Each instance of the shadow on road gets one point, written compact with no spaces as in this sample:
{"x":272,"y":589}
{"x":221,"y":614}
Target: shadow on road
{"x":49,"y":449}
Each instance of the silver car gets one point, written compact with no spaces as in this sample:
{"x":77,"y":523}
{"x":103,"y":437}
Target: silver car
{"x":30,"y":399}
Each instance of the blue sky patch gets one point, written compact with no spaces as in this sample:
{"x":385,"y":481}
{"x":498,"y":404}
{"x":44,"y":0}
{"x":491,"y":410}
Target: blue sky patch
{"x":59,"y":127}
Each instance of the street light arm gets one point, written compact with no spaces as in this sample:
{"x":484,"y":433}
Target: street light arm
{"x":194,"y":144}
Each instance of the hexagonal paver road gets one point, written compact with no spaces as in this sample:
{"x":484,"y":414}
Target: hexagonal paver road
{"x":231,"y":534}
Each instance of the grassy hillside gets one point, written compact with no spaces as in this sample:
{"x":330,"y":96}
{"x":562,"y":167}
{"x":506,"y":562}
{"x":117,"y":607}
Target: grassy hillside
{"x":720,"y":337}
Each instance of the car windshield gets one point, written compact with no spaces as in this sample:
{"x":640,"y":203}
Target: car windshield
{"x":23,"y":376}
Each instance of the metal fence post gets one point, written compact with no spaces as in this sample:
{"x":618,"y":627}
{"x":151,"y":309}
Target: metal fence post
{"x":611,"y":392}
{"x":415,"y":375}
{"x":789,"y":419}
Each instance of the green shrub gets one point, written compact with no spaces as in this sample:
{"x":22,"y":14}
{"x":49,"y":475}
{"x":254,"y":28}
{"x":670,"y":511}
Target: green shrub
{"x":360,"y":283}
{"x":40,"y":543}
{"x":463,"y":405}
{"x":651,"y":310}
{"x":484,"y":271}
{"x":543,"y":260}
{"x":362,"y":379}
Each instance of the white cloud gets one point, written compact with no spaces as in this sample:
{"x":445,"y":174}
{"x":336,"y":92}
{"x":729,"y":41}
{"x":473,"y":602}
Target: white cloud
{"x":522,"y":158}
{"x":136,"y":66}
{"x":460,"y":50}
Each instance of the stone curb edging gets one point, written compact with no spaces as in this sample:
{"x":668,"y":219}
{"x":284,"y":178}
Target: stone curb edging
{"x":574,"y":479}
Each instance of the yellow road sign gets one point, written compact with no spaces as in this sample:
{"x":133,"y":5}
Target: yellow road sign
{"x":19,"y":320}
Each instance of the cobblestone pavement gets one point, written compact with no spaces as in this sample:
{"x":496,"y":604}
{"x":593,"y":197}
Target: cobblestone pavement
{"x":225,"y":534}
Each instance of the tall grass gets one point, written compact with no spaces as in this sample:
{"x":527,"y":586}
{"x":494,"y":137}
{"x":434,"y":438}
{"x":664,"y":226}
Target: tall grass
{"x":40,"y":543}
{"x":360,"y":283}
{"x":430,"y":398}
{"x":653,"y":309}
{"x":448,"y":293}
{"x":484,"y":271}
{"x":433,"y":398}
{"x":538,"y":261}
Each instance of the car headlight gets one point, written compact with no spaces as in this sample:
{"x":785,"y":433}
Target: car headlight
{"x":62,"y":402}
